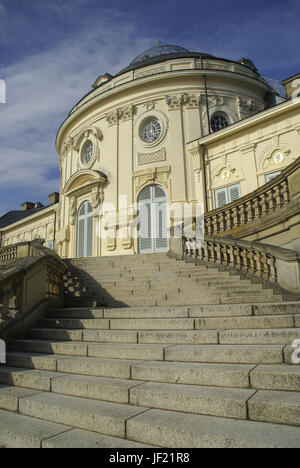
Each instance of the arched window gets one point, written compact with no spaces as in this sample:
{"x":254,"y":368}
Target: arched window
{"x":85,"y":230}
{"x":153,"y":220}
{"x":219,"y":121}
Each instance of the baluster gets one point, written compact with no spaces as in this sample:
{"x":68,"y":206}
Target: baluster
{"x":277,"y":196}
{"x":235,"y":217}
{"x":214,"y":224}
{"x":284,"y":192}
{"x":263,"y":204}
{"x":248,"y":209}
{"x":271,"y":201}
{"x":272,"y":266}
{"x":221,"y":221}
{"x":256,"y":208}
{"x":251,"y":261}
{"x":205,"y":251}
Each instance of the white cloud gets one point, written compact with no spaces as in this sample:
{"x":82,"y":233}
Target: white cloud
{"x":41,"y":90}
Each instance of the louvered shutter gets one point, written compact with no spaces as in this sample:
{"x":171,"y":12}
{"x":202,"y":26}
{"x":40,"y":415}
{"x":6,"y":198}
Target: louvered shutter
{"x":234,"y":193}
{"x":161,"y":227}
{"x":145,"y":227}
{"x":221,"y":197}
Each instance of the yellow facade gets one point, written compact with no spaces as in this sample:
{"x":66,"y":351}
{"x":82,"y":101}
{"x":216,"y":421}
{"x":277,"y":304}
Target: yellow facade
{"x":105,"y":161}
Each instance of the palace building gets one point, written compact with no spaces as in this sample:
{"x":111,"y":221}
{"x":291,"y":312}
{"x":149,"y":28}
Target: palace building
{"x":172,"y":128}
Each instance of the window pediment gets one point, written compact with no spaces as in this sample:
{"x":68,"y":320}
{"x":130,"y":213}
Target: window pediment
{"x":84,"y":179}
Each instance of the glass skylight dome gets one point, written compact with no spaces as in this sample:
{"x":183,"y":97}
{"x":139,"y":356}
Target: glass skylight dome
{"x":158,"y":51}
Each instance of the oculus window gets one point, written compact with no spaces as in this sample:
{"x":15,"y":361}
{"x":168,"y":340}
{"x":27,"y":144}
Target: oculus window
{"x":150,"y":130}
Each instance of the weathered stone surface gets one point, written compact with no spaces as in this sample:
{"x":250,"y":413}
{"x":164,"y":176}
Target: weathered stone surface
{"x":218,"y":375}
{"x":275,"y":407}
{"x":96,"y":416}
{"x":271,"y":336}
{"x":97,"y":367}
{"x":9,"y":396}
{"x":230,"y":354}
{"x":281,"y":377}
{"x":18,"y":431}
{"x":168,"y":428}
{"x":78,"y":438}
{"x":180,"y":337}
{"x":238,"y":323}
{"x":229,"y":403}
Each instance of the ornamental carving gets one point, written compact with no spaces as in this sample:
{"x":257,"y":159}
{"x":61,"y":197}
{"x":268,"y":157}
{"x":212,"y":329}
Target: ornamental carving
{"x":218,"y":100}
{"x":225,"y":174}
{"x":73,"y":211}
{"x":126,"y":113}
{"x":112,"y":118}
{"x":147,"y":158}
{"x":159,"y":175}
{"x":174,"y":102}
{"x":192,"y":101}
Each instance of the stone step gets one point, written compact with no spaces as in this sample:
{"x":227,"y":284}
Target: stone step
{"x":231,"y":323}
{"x":78,"y":438}
{"x":175,"y":429}
{"x":227,"y":354}
{"x":76,"y":324}
{"x":282,"y":308}
{"x":280,"y":336}
{"x":17,"y":431}
{"x":72,"y":348}
{"x":54,"y":334}
{"x":251,"y":299}
{"x":79,"y":313}
{"x":33,"y":360}
{"x":183,"y":283}
{"x":216,"y":375}
{"x":280,"y":377}
{"x":152,"y":324}
{"x":33,"y":379}
{"x":95,"y":367}
{"x":212,"y":401}
{"x":95,"y":388}
{"x":146,"y":352}
{"x":275,"y":407}
{"x":96,"y":416}
{"x":149,"y":337}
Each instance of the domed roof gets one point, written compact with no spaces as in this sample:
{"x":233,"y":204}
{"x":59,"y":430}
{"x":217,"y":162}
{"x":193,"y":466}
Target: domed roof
{"x":160,"y":53}
{"x":157,"y":51}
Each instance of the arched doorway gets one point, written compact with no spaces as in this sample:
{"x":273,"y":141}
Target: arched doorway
{"x":153,"y":220}
{"x":85,"y":230}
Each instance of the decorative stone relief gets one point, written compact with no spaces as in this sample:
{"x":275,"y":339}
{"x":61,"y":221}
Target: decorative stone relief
{"x":174,"y":102}
{"x":150,"y":105}
{"x":146,"y":158}
{"x":192,"y":101}
{"x":97,"y":198}
{"x":226,"y":174}
{"x":73,"y":211}
{"x":126,"y":113}
{"x":112,"y":118}
{"x":159,"y":175}
{"x":217,"y":100}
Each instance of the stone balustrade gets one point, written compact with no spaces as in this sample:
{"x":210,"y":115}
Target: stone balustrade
{"x":28,"y":286}
{"x":256,"y":205}
{"x":274,"y":264}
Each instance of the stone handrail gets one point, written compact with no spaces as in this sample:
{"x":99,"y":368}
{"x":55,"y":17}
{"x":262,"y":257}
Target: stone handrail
{"x":274,"y":264}
{"x":28,"y":286}
{"x":265,"y":200}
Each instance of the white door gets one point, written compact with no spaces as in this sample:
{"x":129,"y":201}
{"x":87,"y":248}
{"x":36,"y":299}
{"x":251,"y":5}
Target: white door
{"x":85,"y":230}
{"x":153,"y":220}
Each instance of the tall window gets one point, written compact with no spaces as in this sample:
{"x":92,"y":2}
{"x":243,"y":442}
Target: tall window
{"x":227,"y":195}
{"x":85,"y":230}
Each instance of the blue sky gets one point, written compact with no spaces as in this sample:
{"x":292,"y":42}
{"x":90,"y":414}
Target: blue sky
{"x":53,"y":50}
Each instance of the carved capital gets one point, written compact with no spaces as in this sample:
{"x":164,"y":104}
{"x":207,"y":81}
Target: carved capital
{"x":174,"y":102}
{"x":112,"y":117}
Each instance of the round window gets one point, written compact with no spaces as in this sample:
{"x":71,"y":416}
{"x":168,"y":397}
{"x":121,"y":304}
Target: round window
{"x":150,"y":130}
{"x":86,"y":152}
{"x":218,"y":122}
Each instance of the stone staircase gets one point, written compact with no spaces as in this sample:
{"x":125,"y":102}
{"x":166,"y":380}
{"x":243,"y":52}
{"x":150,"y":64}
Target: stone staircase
{"x":153,"y":352}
